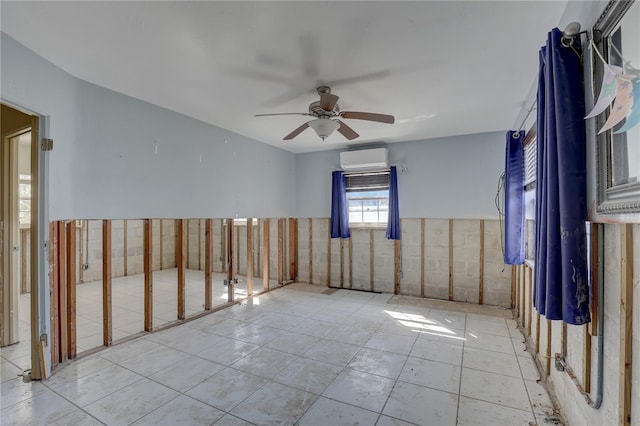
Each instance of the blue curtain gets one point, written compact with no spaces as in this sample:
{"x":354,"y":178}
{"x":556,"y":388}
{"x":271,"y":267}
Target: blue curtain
{"x":561,"y":290}
{"x":514,"y":252}
{"x":393,"y":221}
{"x":339,"y":214}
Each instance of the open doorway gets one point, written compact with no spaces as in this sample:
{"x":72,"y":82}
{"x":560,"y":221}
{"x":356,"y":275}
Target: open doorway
{"x":18,"y":247}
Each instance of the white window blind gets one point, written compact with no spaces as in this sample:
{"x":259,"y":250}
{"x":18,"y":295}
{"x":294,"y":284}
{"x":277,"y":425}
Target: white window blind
{"x":530,"y":162}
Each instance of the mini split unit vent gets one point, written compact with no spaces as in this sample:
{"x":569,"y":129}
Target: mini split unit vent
{"x":364,"y":159}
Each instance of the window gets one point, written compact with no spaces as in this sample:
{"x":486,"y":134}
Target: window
{"x":530,"y":161}
{"x":368,"y":198}
{"x":24,"y":189}
{"x":617,"y":150}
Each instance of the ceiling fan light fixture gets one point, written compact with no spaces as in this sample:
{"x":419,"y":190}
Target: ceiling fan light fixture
{"x":324,"y":126}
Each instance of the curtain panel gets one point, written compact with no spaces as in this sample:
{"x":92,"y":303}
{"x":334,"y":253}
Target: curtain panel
{"x":561,"y":288}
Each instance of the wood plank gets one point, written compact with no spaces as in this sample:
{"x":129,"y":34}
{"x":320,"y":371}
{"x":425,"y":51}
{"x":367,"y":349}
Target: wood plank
{"x":537,"y":333}
{"x":396,"y":266}
{"x":341,"y":263}
{"x":208,"y":264}
{"x":529,"y":272}
{"x":481,"y":273}
{"x":280,"y":251}
{"x":266,"y":255}
{"x":249,"y":256}
{"x":161,"y":245}
{"x":236,"y":244}
{"x":199,"y":244}
{"x":223,"y":246}
{"x":548,"y":349}
{"x":595,"y":274}
{"x":293,"y":249}
{"x":329,"y":252}
{"x":586,"y":356}
{"x":371,"y":259}
{"x":107,"y":312}
{"x":450,"y":259}
{"x":148,"y":274}
{"x":422,"y":255}
{"x":54,"y":276}
{"x":230,"y":275}
{"x":72,"y":345}
{"x":24,"y":288}
{"x":125,"y":254}
{"x":187,"y":244}
{"x":626,"y":323}
{"x":513,"y":289}
{"x":62,"y":301}
{"x":310,"y":250}
{"x":257,"y":267}
{"x":180,"y":264}
{"x":563,"y":339}
{"x":350,"y":262}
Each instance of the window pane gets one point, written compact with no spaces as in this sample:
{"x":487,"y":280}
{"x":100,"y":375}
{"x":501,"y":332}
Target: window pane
{"x":369,"y":206}
{"x":25,"y":205}
{"x":25,"y":190}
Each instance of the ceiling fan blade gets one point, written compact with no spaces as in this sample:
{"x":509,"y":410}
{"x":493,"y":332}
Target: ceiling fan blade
{"x":347,"y":131}
{"x":296,"y":132}
{"x":282,"y":113}
{"x":328,"y":101}
{"x":370,"y":116}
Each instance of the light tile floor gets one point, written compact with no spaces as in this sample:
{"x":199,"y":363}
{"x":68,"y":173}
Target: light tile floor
{"x":298,"y":356}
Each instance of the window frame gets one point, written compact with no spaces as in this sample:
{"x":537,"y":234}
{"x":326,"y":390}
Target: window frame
{"x":623,"y":198}
{"x":367,"y":225}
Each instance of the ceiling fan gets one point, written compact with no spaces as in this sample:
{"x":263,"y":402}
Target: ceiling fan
{"x":326,"y":111}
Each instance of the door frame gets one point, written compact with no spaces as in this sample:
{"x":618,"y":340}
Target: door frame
{"x":39,"y":261}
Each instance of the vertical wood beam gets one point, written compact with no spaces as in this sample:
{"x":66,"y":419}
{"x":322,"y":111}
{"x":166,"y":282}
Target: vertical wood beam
{"x":586,"y":356}
{"x":396,"y":266}
{"x":236,"y":244}
{"x":529,"y":272}
{"x":341,"y":263}
{"x":371,"y":259}
{"x":537,"y":333}
{"x":422,"y":255}
{"x":72,"y":347}
{"x":595,"y":248}
{"x":187,"y":245}
{"x":249,"y":256}
{"x":199,"y":244}
{"x":148,"y":274}
{"x":513,"y":289}
{"x":626,"y":323}
{"x":257,"y":244}
{"x":280,"y":251}
{"x":563,"y":339}
{"x":329,"y":252}
{"x":265,"y":250}
{"x":54,"y":276}
{"x":223,"y":246}
{"x":62,"y":301}
{"x":161,"y":244}
{"x":24,"y":288}
{"x":107,"y":299}
{"x":208,"y":264}
{"x":125,"y":254}
{"x":450,"y":259}
{"x":481,"y":273}
{"x":293,"y":249}
{"x":548,"y":349}
{"x":350,"y":262}
{"x":180,"y":264}
{"x":310,"y":251}
{"x":230,"y":275}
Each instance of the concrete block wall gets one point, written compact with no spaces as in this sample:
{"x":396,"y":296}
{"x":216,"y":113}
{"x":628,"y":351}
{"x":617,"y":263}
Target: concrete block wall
{"x":572,"y":403}
{"x":466,"y":259}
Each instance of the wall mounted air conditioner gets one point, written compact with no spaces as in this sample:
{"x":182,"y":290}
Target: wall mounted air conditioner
{"x":364,"y":159}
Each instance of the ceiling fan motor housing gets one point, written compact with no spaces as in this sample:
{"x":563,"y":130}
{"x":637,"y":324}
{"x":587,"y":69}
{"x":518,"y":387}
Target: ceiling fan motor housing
{"x":317,"y":111}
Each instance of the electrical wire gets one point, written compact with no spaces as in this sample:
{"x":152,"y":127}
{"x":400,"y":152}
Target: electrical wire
{"x":499,"y":202}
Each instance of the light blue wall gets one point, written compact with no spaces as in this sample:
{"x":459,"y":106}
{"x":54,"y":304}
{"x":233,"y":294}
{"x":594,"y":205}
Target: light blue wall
{"x":104,"y":164}
{"x":454,"y":177}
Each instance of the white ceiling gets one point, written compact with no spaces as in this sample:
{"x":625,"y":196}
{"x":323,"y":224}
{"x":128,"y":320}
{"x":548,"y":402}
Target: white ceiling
{"x":441,"y":67}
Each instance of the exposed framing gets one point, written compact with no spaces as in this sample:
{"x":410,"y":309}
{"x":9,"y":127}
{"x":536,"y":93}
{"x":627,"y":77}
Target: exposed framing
{"x":249,"y":256}
{"x":626,"y":323}
{"x":72,"y":347}
{"x":180,"y":265}
{"x":148,"y":274}
{"x":208,"y":264}
{"x":266,"y":255}
{"x":107,"y":313}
